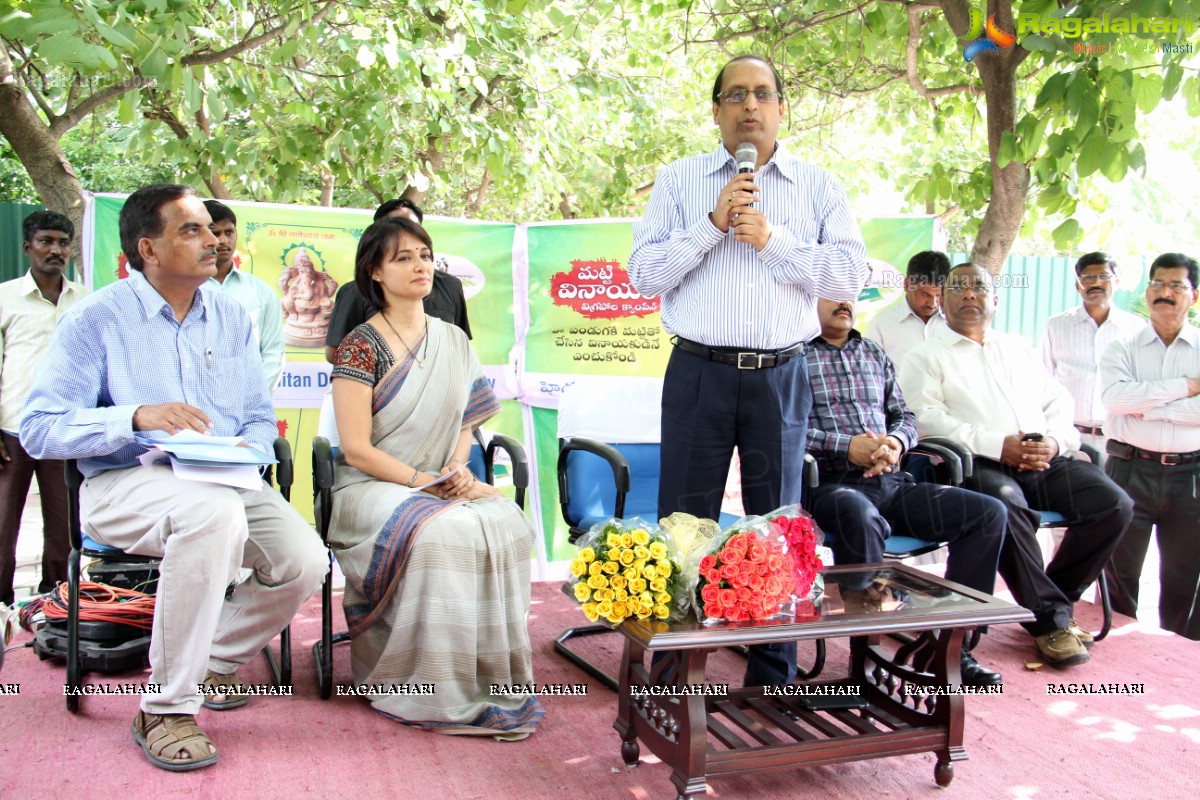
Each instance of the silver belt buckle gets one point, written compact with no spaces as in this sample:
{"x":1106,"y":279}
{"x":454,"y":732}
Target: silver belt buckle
{"x":754,"y":363}
{"x":1170,"y":459}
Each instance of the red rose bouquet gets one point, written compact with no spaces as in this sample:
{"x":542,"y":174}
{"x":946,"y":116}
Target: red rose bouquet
{"x":746,"y":576}
{"x":801,"y":537}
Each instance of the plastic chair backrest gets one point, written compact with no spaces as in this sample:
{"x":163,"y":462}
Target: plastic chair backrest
{"x":593,"y":494}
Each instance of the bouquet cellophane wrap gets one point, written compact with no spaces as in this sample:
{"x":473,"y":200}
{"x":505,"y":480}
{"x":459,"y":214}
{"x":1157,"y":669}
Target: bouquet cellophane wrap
{"x":625,"y":569}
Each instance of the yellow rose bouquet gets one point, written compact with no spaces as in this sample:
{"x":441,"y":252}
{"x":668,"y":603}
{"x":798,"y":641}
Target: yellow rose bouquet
{"x":624,"y":569}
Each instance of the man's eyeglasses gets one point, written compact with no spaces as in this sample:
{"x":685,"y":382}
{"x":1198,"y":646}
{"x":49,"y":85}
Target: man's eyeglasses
{"x":958,"y":289}
{"x":1176,"y":287}
{"x":1092,"y":280}
{"x":736,"y":96}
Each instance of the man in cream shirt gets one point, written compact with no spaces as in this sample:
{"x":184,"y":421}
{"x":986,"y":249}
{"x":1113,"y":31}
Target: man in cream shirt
{"x":1076,"y":339}
{"x":915,"y":316}
{"x":987,"y":391}
{"x":29,"y":309}
{"x":1151,"y":388}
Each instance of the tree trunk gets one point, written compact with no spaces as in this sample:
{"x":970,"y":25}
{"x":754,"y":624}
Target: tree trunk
{"x":998,"y":73}
{"x":38,"y":150}
{"x":326,"y":188}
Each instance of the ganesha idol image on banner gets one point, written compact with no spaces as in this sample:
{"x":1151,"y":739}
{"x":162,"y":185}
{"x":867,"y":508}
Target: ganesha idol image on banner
{"x":307,"y":301}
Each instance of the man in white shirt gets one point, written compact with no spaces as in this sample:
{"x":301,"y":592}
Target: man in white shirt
{"x":1151,"y":388}
{"x":916,"y":315}
{"x":29,"y":309}
{"x":987,"y":391}
{"x":255,"y":295}
{"x":1075,"y":340}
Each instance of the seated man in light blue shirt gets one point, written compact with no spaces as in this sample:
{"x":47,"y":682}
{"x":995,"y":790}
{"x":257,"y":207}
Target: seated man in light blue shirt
{"x":256,"y":295}
{"x":158,"y":353}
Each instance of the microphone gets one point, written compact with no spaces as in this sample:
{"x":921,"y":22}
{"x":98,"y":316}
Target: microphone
{"x":746,"y":157}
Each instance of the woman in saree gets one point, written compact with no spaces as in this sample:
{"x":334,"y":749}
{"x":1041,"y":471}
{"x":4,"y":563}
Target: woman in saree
{"x":437,"y":576}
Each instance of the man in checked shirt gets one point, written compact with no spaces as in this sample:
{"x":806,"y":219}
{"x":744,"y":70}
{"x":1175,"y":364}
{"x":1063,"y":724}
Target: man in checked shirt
{"x":858,"y":429}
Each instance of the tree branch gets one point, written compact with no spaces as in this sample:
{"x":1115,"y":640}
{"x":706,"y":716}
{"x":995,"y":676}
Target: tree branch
{"x":217,"y":56}
{"x":912,"y":64}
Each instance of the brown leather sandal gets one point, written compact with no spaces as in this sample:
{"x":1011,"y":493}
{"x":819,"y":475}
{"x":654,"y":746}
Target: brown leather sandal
{"x":173,"y":741}
{"x":227,"y":691}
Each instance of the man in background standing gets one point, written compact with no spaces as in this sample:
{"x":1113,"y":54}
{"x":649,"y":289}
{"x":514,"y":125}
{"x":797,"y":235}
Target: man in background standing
{"x":255,"y":294}
{"x":917,"y":314}
{"x":1152,"y":392}
{"x":29,"y":309}
{"x":1075,"y":341}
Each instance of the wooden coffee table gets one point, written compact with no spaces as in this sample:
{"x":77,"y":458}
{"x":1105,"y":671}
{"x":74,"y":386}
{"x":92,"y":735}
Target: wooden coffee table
{"x":904,"y":668}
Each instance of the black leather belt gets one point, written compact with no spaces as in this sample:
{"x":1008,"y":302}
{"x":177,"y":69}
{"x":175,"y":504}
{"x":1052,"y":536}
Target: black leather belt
{"x":1093,"y":430}
{"x":1128,"y":451}
{"x":742,"y":359}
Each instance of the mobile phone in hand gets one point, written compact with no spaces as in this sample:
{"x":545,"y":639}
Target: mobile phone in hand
{"x":1032,"y":437}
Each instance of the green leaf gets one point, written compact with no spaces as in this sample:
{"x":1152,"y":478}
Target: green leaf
{"x":1066,"y":234}
{"x":61,"y":49}
{"x":1191,"y":91}
{"x":1092,"y":154}
{"x":481,"y":85}
{"x":115,"y":37}
{"x":1137,"y":158}
{"x":1008,"y":150}
{"x":1171,"y":81}
{"x":1083,"y":103}
{"x":1116,"y":165}
{"x":1052,"y":90}
{"x":1147,"y":91}
{"x":216,"y":107}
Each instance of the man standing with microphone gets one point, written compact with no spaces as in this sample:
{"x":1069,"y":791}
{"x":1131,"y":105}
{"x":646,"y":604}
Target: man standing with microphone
{"x":739,"y":249}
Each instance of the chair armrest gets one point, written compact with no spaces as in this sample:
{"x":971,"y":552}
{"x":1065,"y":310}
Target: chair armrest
{"x":809,"y":472}
{"x":74,"y":479}
{"x":964,"y":455}
{"x":322,"y":463}
{"x":516,"y":453}
{"x":620,"y":468}
{"x":285,"y":473}
{"x":950,"y":458}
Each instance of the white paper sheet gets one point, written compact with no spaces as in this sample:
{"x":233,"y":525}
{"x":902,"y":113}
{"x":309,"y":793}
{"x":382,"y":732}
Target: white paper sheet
{"x":238,"y":476}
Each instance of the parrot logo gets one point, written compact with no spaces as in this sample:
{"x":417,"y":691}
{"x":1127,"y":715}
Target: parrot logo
{"x":982,"y":38}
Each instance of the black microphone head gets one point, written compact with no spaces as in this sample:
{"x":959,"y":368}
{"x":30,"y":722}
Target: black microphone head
{"x":746,"y":157}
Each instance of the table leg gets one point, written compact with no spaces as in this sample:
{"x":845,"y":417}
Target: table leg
{"x":632,"y":672}
{"x":951,"y":709}
{"x":689,"y":774}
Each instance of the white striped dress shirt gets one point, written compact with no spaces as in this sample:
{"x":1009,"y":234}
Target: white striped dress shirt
{"x":898,"y":329}
{"x":724,"y":293}
{"x":1072,"y":347}
{"x":1143,"y":376}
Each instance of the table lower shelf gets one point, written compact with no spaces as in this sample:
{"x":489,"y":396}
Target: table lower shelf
{"x":749,"y":731}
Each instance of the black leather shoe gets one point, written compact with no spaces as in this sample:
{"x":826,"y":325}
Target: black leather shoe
{"x":975,"y":674}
